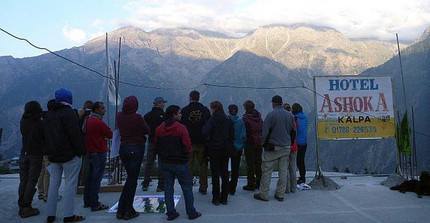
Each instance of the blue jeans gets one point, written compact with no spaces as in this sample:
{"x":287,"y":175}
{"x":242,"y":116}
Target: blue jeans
{"x":97,"y":163}
{"x":131,"y":156}
{"x":182,"y":172}
{"x":71,"y":172}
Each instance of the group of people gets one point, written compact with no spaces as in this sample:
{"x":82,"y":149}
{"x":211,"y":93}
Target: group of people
{"x":185,"y":140}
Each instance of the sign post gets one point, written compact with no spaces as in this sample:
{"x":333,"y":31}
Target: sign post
{"x":352,"y":107}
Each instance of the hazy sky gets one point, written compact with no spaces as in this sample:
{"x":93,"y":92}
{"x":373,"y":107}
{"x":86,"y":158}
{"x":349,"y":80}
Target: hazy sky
{"x":64,"y":24}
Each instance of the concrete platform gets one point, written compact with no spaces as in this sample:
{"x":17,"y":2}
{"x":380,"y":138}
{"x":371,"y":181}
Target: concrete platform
{"x":360,"y":199}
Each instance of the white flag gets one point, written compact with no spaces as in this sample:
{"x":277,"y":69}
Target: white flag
{"x":111,"y":84}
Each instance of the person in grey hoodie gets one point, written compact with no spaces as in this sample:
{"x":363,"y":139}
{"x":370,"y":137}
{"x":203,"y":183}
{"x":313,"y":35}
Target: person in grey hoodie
{"x":279,"y":129}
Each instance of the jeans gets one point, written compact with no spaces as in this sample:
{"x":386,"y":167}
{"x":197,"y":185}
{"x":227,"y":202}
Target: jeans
{"x":182,"y":172}
{"x":235,"y":165}
{"x":29,"y":171}
{"x":131,"y":156}
{"x":150,"y":158}
{"x":97,"y":163}
{"x":253,"y":165}
{"x":71,"y":172}
{"x":301,"y":162}
{"x":219,"y":168}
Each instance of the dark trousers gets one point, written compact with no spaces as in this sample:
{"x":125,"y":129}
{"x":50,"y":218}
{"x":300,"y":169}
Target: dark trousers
{"x":97,"y":163}
{"x":219,"y":168}
{"x":253,"y":165}
{"x":301,"y":162}
{"x":182,"y":172}
{"x":131,"y":156}
{"x":150,"y":158}
{"x":29,"y":171}
{"x":235,"y":165}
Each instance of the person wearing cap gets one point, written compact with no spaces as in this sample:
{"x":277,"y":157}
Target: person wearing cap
{"x":65,"y":147}
{"x":239,"y":142}
{"x":279,"y":129}
{"x":154,"y":118}
{"x":194,"y":117}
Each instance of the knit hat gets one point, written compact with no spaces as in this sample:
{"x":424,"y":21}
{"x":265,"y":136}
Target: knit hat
{"x":63,"y":94}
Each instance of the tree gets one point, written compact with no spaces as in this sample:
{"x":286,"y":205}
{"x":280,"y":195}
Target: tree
{"x":346,"y":170}
{"x":335,"y":169}
{"x":366,"y":170}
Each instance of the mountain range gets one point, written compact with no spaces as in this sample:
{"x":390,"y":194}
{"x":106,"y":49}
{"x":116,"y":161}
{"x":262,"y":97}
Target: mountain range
{"x":271,"y":60}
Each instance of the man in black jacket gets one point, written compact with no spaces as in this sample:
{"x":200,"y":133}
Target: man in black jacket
{"x":154,"y":118}
{"x":194,"y":117}
{"x":65,"y":146}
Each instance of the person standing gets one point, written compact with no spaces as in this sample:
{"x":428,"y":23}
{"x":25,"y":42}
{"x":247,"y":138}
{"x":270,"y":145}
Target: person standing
{"x":194,"y":117}
{"x":173,"y":145}
{"x":279,"y":130}
{"x":132,"y":128}
{"x":96,"y":133}
{"x":253,"y":150}
{"x":154,"y":118}
{"x":83,"y":113}
{"x":219,"y":132}
{"x":43,"y":181}
{"x":302,"y":137}
{"x":31,"y":157}
{"x":239,"y":141}
{"x":65,"y":147}
{"x":291,"y":185}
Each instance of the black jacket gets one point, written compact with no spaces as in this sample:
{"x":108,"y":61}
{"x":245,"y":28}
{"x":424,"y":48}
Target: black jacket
{"x":63,"y":136}
{"x":194,"y":117}
{"x":33,"y":139}
{"x":219,"y":132}
{"x":154,"y":118}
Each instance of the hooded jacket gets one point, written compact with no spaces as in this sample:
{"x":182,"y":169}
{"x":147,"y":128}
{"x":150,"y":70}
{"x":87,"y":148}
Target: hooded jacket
{"x":302,"y":128}
{"x":33,"y":138}
{"x":172,"y":142}
{"x":254,"y":127}
{"x":239,"y":132}
{"x":132,"y":126}
{"x":194,"y":117}
{"x":219,"y":132}
{"x":63,"y":136}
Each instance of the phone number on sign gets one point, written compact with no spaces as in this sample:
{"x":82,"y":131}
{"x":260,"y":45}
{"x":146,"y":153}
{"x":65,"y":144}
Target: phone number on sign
{"x":355,"y":129}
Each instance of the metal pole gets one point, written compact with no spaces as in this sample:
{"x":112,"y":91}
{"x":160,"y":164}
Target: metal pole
{"x":414,"y":147}
{"x":107,"y":106}
{"x":318,"y":172}
{"x":401,"y":72}
{"x":116,"y":105}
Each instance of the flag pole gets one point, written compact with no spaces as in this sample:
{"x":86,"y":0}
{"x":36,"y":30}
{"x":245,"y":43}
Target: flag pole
{"x":107,"y":107}
{"x":401,"y":72}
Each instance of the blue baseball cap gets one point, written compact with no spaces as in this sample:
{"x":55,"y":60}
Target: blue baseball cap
{"x":159,"y":99}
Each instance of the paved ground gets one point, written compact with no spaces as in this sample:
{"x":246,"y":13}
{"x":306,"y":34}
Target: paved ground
{"x":360,"y":199}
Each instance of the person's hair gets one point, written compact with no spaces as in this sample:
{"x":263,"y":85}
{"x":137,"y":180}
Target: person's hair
{"x":32,"y":110}
{"x":87,"y":105}
{"x":96,"y":106}
{"x":195,"y":95}
{"x":50,"y":105}
{"x":248,"y":105}
{"x":296,"y":108}
{"x":217,"y":106}
{"x":287,"y":107}
{"x":233,"y":109}
{"x":171,"y":111}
